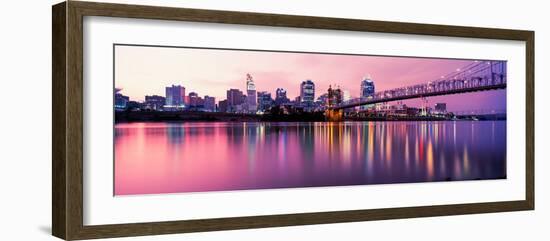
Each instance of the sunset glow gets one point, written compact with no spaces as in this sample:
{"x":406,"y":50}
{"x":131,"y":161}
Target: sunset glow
{"x":142,"y":70}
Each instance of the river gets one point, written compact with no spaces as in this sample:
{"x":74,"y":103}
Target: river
{"x":152,"y":158}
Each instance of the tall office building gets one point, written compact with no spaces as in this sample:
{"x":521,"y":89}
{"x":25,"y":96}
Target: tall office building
{"x":367,"y":90}
{"x":175,"y":96}
{"x":222,"y":106}
{"x":367,"y":87}
{"x":280,"y":96}
{"x":307,"y":95}
{"x":194,"y":100}
{"x":209,"y":103}
{"x":234,"y":100}
{"x":251,"y":94}
{"x":264,"y":101}
{"x":307,"y":92}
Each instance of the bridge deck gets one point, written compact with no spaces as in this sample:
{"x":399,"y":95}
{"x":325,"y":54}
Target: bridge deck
{"x":420,"y":95}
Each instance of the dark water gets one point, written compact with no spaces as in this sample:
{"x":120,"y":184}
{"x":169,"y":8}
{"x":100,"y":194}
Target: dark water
{"x":212,"y":156}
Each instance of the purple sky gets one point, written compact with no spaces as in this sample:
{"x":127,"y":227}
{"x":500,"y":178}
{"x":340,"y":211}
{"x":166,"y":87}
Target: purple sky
{"x":144,"y":71}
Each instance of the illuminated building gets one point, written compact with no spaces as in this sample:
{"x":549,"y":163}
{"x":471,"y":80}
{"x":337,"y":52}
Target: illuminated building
{"x":175,"y":96}
{"x":251,"y":94}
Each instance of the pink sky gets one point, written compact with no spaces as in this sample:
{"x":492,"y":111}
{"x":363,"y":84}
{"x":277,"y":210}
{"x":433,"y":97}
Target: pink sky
{"x":144,"y":71}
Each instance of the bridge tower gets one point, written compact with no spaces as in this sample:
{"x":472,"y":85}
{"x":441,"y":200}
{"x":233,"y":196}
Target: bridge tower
{"x":334,"y":98}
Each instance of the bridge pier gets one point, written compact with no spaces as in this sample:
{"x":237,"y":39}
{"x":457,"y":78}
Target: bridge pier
{"x":334,"y":115}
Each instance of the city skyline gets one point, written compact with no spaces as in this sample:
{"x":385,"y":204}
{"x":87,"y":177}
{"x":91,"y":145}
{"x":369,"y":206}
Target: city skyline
{"x":142,"y":71}
{"x":289,"y":120}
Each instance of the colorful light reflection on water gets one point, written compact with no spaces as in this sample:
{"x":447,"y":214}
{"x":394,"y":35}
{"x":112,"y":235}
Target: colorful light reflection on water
{"x":152,"y":158}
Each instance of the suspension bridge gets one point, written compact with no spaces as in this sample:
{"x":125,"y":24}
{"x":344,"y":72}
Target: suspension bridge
{"x":477,"y":76}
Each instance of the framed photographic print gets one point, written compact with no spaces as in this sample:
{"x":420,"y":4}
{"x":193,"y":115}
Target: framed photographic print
{"x":171,"y":120}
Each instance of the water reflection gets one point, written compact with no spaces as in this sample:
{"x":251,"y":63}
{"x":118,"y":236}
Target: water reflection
{"x":211,"y":156}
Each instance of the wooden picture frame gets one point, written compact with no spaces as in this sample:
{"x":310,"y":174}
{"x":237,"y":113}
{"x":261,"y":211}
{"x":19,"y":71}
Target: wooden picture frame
{"x":67,"y":150}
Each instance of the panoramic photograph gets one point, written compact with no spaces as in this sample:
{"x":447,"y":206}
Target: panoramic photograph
{"x":192,"y":119}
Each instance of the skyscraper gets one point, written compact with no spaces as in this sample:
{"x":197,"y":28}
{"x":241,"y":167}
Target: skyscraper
{"x":307,"y":95}
{"x":307,"y":92}
{"x":222,"y":106}
{"x":280,"y":96}
{"x":367,"y":87}
{"x":367,"y":90}
{"x":251,"y":94}
{"x":234,"y":99}
{"x":209,"y":103}
{"x":264,"y":101}
{"x":175,"y":96}
{"x":194,"y":100}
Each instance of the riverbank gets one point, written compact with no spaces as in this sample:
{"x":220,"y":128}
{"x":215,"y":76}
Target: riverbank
{"x":166,"y":116}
